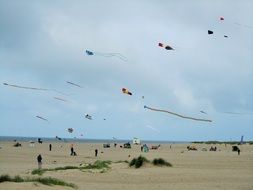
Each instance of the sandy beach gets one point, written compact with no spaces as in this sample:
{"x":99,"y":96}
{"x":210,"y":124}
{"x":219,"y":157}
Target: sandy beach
{"x":222,"y":169}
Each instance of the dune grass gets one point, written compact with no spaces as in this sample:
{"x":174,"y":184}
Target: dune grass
{"x":138,"y":162}
{"x":161,"y":162}
{"x":99,"y":164}
{"x":45,"y":181}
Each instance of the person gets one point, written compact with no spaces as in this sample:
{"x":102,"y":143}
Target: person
{"x":238,"y":151}
{"x":96,"y":152}
{"x":72,"y":150}
{"x":39,"y":159}
{"x":50,"y":147}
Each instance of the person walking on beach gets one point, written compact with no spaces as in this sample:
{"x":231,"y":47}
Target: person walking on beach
{"x":39,"y":159}
{"x":50,"y":147}
{"x":96,"y":152}
{"x":238,"y":151}
{"x":72,"y":150}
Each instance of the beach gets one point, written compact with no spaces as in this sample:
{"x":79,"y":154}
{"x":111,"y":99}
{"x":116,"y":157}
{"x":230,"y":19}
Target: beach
{"x":221,"y":169}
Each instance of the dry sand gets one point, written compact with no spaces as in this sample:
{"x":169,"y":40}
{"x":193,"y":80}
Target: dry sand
{"x":191,"y":170}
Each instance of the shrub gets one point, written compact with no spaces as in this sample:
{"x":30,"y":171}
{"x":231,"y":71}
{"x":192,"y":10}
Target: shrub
{"x":138,"y":162}
{"x":161,"y":162}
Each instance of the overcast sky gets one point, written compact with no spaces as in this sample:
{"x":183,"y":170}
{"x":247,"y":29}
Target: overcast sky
{"x":43,"y":43}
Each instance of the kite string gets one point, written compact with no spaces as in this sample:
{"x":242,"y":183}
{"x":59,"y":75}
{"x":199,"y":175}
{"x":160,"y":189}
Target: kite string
{"x":185,"y":117}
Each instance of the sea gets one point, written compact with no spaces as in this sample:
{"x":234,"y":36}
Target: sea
{"x":83,"y":140}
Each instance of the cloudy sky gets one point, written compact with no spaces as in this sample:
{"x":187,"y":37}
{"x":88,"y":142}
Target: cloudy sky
{"x":43,"y":43}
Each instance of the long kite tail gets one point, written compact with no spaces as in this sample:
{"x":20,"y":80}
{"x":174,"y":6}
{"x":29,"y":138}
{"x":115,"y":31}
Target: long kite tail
{"x":34,"y":88}
{"x":118,"y":55}
{"x":25,"y":87}
{"x":176,"y":114}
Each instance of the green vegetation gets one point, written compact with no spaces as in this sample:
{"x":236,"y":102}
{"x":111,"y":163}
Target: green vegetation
{"x":99,"y":164}
{"x":161,"y":162}
{"x":46,"y":181}
{"x":96,"y":165}
{"x":138,"y":162}
{"x":121,"y":161}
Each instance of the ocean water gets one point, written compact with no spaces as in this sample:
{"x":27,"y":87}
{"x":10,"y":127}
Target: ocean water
{"x":82,"y":140}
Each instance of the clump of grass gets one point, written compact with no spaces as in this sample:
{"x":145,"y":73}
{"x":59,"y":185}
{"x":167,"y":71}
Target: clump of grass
{"x":161,"y":162}
{"x":138,"y":162}
{"x":4,"y":178}
{"x":38,"y":171}
{"x":42,"y":171}
{"x":65,"y":168}
{"x":53,"y":181}
{"x":99,"y":164}
{"x":46,"y":181}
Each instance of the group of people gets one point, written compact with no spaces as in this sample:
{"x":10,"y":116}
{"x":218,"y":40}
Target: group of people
{"x":72,"y":153}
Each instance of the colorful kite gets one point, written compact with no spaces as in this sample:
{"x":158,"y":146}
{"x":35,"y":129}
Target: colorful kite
{"x":42,"y":118}
{"x":118,"y":55}
{"x":167,"y":47}
{"x":126,"y":91}
{"x":185,"y":117}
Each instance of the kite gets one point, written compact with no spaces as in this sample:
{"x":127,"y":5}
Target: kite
{"x":87,"y":116}
{"x":167,"y":47}
{"x":125,"y":91}
{"x":70,"y":130}
{"x":41,"y":118}
{"x":61,"y":99}
{"x":118,"y":55}
{"x":185,"y":117}
{"x":73,"y":84}
{"x":221,"y":18}
{"x":32,"y":88}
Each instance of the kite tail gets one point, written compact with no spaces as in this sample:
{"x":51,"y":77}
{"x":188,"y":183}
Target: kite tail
{"x":118,"y":55}
{"x":176,"y":114}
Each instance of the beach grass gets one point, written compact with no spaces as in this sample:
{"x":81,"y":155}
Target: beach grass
{"x":138,"y":162}
{"x":161,"y":162}
{"x":99,"y":164}
{"x":45,"y":181}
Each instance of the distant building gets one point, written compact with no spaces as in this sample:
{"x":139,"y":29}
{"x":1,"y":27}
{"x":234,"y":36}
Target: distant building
{"x":136,"y":141}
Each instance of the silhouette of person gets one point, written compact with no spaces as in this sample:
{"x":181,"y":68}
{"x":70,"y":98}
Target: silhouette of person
{"x":39,"y":159}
